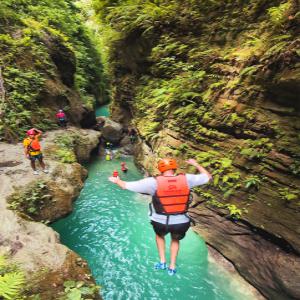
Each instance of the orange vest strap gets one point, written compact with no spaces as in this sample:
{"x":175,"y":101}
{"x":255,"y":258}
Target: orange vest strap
{"x":34,"y":145}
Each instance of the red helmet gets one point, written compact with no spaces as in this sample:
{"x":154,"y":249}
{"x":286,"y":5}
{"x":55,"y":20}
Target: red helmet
{"x":31,"y":132}
{"x":167,"y":164}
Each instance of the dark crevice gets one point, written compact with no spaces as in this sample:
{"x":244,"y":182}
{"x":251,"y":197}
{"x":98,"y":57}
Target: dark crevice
{"x":281,"y":243}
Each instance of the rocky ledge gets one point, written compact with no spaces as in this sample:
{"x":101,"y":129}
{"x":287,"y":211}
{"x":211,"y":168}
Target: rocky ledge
{"x":265,"y":255}
{"x":32,"y":244}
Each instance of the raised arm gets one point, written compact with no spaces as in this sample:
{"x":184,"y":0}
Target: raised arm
{"x":142,"y":186}
{"x":39,"y":132}
{"x":118,"y":181}
{"x":201,"y":170}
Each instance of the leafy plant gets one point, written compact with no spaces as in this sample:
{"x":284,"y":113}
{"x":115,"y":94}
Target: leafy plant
{"x":249,"y":70}
{"x":77,"y":290}
{"x":65,"y":148}
{"x":295,"y":167}
{"x":278,"y":13}
{"x":288,"y":194}
{"x":31,"y":200}
{"x":12,"y":281}
{"x":65,"y":155}
{"x":233,"y":119}
{"x":252,"y":181}
{"x":234,"y":211}
{"x":28,"y":65}
{"x":215,"y":203}
{"x":257,"y":149}
{"x":11,"y":285}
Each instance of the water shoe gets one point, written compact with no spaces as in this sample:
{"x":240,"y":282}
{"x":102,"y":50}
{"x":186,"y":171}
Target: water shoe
{"x":36,"y":172}
{"x":160,"y":266}
{"x":171,"y":272}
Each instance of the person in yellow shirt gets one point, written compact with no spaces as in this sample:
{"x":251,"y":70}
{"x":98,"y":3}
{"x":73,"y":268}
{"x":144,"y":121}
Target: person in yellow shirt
{"x":32,"y":149}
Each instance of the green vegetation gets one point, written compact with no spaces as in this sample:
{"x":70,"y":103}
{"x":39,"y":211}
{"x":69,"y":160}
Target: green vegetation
{"x":65,"y":147}
{"x":185,"y":73}
{"x":226,"y":178}
{"x":252,"y":181}
{"x":22,"y":87}
{"x":295,"y":167}
{"x":41,"y":43}
{"x":31,"y":200}
{"x":12,"y":280}
{"x":233,"y":211}
{"x":257,"y":149}
{"x":14,"y":286}
{"x":77,"y":290}
{"x":289,"y":194}
{"x":278,"y":14}
{"x":203,"y":69}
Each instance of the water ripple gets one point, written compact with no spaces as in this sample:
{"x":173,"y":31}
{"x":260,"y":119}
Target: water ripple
{"x":110,"y":228}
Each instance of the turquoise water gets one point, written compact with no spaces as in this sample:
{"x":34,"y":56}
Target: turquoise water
{"x":109,"y":227}
{"x":102,"y":111}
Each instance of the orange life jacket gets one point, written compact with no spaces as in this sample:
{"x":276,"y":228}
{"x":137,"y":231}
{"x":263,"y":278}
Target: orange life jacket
{"x":34,"y":145}
{"x":172,"y":195}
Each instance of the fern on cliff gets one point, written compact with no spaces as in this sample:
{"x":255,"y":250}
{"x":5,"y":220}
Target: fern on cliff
{"x":38,"y":39}
{"x":12,"y":281}
{"x":11,"y":285}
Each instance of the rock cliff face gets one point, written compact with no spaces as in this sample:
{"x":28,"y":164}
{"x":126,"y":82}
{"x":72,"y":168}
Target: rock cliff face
{"x":34,"y":245}
{"x":45,"y":65}
{"x":219,"y":81}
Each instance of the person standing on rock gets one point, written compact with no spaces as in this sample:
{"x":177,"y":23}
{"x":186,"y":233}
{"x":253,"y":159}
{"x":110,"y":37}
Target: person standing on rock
{"x":61,"y":118}
{"x":32,"y":149}
{"x":170,"y":199}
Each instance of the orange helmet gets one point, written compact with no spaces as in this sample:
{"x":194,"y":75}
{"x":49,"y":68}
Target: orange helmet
{"x":167,"y":164}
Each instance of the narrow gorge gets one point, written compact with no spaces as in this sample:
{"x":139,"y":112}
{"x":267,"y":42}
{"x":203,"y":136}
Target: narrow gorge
{"x":218,"y":81}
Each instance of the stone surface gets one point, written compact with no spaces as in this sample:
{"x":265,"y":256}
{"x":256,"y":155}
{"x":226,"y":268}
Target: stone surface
{"x":268,"y":267}
{"x":263,"y":246}
{"x":227,"y":269}
{"x":242,"y":121}
{"x":112,"y":131}
{"x":34,"y":245}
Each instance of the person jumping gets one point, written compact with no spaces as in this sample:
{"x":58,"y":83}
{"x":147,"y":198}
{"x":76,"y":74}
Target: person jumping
{"x":170,"y":199}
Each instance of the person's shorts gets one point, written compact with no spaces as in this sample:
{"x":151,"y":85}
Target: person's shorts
{"x":36,"y":157}
{"x":177,"y":231}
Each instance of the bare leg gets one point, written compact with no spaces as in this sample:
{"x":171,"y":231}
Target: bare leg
{"x":160,"y":243}
{"x":174,"y":248}
{"x":32,"y":163}
{"x":42,"y":163}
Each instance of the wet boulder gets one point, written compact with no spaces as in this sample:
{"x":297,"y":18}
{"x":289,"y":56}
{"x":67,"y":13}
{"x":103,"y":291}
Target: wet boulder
{"x":125,"y":141}
{"x":100,"y":121}
{"x":112,"y":131}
